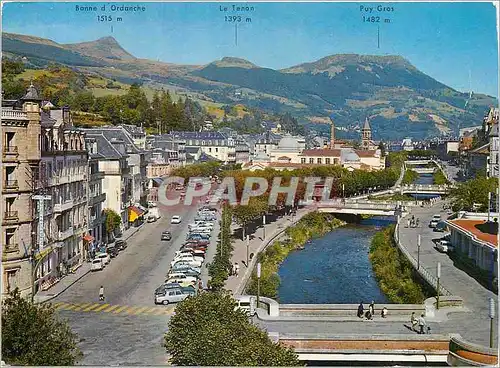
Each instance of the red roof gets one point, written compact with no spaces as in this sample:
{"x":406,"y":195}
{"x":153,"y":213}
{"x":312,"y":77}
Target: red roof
{"x":322,"y":152}
{"x":472,"y":227}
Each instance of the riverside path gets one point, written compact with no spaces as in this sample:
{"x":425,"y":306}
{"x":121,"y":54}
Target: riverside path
{"x":473,"y":325}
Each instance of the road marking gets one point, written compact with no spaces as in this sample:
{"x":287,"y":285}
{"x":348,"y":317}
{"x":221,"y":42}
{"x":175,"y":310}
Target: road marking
{"x":140,"y":310}
{"x":58,"y":304}
{"x":129,"y":310}
{"x":110,"y":308}
{"x":61,"y":306}
{"x":96,"y":305}
{"x":71,"y":306}
{"x":101,"y":308}
{"x":80,"y":307}
{"x":120,"y":309}
{"x":150,"y":310}
{"x":159,"y":311}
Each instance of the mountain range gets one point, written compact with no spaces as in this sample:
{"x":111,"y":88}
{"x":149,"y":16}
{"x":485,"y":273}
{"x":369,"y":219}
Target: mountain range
{"x":398,"y":99}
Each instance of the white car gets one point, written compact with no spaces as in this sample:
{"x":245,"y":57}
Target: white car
{"x":175,"y":219}
{"x":187,"y":260}
{"x":188,"y":257}
{"x":96,"y":265}
{"x":435,"y":220}
{"x":105,"y":258}
{"x":181,"y":279}
{"x":444,"y":246}
{"x":151,"y":218}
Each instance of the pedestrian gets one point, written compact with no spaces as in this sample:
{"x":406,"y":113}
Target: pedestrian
{"x":418,"y":221}
{"x":101,"y":293}
{"x":421,"y":324}
{"x":236,"y":269}
{"x":384,"y":312}
{"x":414,"y":321}
{"x":361,"y":310}
{"x":371,"y":308}
{"x":408,"y":223}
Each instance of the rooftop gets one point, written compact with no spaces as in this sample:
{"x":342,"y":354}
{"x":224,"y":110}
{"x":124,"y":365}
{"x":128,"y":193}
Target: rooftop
{"x":322,"y":152}
{"x":479,"y":229}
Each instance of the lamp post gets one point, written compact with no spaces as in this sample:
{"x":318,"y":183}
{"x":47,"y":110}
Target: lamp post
{"x":248,"y":245}
{"x":264,"y":226}
{"x":418,"y":252}
{"x":438,"y":277}
{"x":489,"y":205}
{"x":258,"y":284}
{"x":492,"y":317}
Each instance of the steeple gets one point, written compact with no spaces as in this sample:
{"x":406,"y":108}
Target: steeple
{"x":366,"y":135}
{"x":332,"y":134}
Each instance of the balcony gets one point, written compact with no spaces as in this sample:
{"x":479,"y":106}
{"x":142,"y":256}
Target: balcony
{"x":65,"y":234}
{"x":97,"y":176}
{"x":11,"y":185}
{"x":61,"y":207}
{"x":94,"y":199}
{"x":10,"y":216}
{"x":10,"y":153}
{"x":14,"y":115}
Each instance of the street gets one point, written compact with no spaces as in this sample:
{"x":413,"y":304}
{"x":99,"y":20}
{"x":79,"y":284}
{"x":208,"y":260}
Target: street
{"x":128,"y":328}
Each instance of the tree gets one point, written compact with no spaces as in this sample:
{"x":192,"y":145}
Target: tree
{"x":472,"y":192}
{"x":33,"y":335}
{"x":113,"y":220}
{"x":208,"y":330}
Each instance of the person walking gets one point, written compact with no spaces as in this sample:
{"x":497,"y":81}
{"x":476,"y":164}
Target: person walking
{"x":421,"y":324}
{"x":414,"y":321}
{"x":361,"y":310}
{"x":384,"y":312}
{"x":101,"y":293}
{"x":236,"y":269}
{"x":371,"y":309}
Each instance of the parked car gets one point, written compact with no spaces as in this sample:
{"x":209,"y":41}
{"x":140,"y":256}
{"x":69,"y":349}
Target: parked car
{"x":151,"y":218}
{"x":166,"y":235}
{"x":182,"y":279}
{"x":199,"y":253}
{"x":193,"y":247}
{"x":441,"y":227}
{"x":187,"y":255}
{"x":165,"y":295}
{"x":175,"y":219}
{"x":444,"y":246}
{"x":191,"y":261}
{"x":120,"y":244}
{"x":190,"y":290}
{"x":182,"y":266}
{"x":197,"y":236}
{"x":188,"y":271}
{"x":112,"y":250}
{"x":200,"y":242}
{"x":96,"y":265}
{"x":435,"y":220}
{"x":104,"y":257}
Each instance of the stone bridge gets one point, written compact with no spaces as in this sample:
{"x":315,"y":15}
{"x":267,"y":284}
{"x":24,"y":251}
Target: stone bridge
{"x":364,"y":207}
{"x":424,"y":189}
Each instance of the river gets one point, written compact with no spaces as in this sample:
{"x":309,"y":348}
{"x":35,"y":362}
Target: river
{"x":334,"y":268}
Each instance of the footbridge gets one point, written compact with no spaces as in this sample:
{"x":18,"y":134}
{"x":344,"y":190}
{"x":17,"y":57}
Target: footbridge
{"x":424,"y":189}
{"x":364,"y":207}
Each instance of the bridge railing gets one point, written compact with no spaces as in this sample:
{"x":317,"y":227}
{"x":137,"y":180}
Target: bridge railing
{"x":426,"y":275}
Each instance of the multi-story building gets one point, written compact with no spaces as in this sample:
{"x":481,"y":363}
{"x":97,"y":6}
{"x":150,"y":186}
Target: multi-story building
{"x":117,"y":184}
{"x":63,"y":176}
{"x":493,"y":166}
{"x":214,"y":144}
{"x":137,"y":134}
{"x":168,"y":142}
{"x":20,"y":161}
{"x":97,"y":197}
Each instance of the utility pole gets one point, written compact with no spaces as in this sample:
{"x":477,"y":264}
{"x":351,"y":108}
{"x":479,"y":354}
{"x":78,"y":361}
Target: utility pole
{"x":492,"y":318}
{"x":258,"y":284}
{"x":418,"y":252}
{"x":489,"y":205}
{"x":264,"y":226}
{"x":248,"y":245}
{"x":40,"y":238}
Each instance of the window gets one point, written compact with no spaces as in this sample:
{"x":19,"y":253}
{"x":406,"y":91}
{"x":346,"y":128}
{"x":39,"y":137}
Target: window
{"x":9,"y":204}
{"x":11,"y":279}
{"x":311,"y":160}
{"x":9,"y":238}
{"x":319,"y":160}
{"x":335,"y":161}
{"x":9,"y":141}
{"x":327,"y":161}
{"x":303,"y":160}
{"x":210,"y":149}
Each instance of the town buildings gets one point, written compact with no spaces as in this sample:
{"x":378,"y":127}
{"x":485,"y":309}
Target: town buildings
{"x":213,"y":144}
{"x":20,"y":161}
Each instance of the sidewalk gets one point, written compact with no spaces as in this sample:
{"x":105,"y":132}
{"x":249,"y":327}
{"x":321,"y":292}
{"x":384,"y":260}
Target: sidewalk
{"x":68,"y":280}
{"x":236,"y":284}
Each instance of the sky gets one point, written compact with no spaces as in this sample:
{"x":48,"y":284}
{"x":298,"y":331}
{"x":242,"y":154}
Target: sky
{"x":455,"y":43}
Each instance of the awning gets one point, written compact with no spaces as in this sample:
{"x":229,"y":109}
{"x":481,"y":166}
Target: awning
{"x":134,"y":213}
{"x":88,"y":238}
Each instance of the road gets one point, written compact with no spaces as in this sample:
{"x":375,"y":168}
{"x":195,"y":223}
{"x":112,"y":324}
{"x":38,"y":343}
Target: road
{"x":128,"y":328}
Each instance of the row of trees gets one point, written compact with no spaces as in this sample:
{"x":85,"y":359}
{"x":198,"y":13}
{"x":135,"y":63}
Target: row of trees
{"x":221,"y":265}
{"x":473,"y":194}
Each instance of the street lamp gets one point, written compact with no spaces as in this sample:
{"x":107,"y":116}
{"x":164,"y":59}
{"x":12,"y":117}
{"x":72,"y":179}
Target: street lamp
{"x":418,"y":252}
{"x":438,"y":277}
{"x":248,"y":245}
{"x":264,"y":226}
{"x":492,"y":317}
{"x":258,"y":284}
